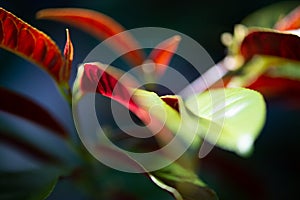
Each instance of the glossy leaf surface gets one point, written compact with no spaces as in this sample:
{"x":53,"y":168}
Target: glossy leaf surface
{"x":174,"y":122}
{"x":235,"y":117}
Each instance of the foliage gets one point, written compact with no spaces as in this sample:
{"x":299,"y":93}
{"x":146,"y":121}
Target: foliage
{"x":258,"y":58}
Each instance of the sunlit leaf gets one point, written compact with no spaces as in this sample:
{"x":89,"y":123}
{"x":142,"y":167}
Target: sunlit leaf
{"x":268,"y":16}
{"x":105,"y":80}
{"x":21,"y":106}
{"x":100,"y":26}
{"x":170,"y":110}
{"x":289,"y":22}
{"x":34,"y":184}
{"x":20,"y":38}
{"x":238,"y":115}
{"x":148,"y":106}
{"x":155,"y":106}
{"x":183,"y":183}
{"x":162,"y":54}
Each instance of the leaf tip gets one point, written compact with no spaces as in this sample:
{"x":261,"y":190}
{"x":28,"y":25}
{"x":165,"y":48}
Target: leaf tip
{"x":245,"y":145}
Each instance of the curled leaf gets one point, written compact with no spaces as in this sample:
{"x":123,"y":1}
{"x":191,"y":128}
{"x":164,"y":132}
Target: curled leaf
{"x":160,"y":118}
{"x":110,"y":82}
{"x":100,"y":26}
{"x":20,"y":38}
{"x":270,"y":43}
{"x":289,"y":22}
{"x":20,"y":106}
{"x":105,"y":80}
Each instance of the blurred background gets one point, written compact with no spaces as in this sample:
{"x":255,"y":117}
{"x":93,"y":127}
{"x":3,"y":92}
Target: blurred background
{"x":272,"y":172}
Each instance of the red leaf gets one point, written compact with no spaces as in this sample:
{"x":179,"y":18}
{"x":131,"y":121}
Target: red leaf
{"x":277,"y":87}
{"x":98,"y":25}
{"x":20,"y":106}
{"x":162,"y":54}
{"x":289,"y":22}
{"x":107,"y":81}
{"x":20,"y":38}
{"x":271,"y":43}
{"x":172,"y":101}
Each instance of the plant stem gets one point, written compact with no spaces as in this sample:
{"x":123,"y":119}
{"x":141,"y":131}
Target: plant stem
{"x":211,"y":76}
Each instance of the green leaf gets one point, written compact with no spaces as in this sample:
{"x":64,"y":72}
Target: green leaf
{"x":268,"y":16}
{"x":155,"y":106}
{"x":179,"y":122}
{"x":30,"y":185}
{"x":233,"y":117}
{"x":183,"y":183}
